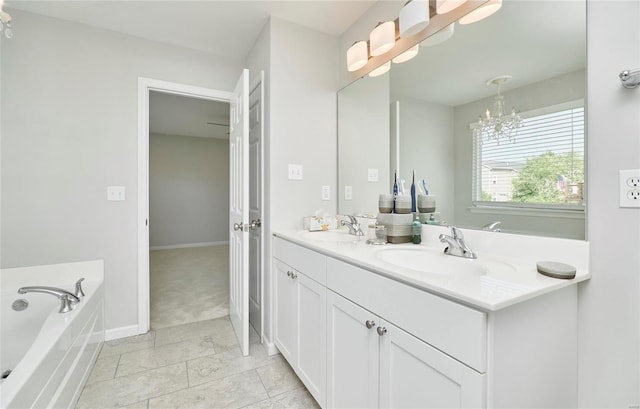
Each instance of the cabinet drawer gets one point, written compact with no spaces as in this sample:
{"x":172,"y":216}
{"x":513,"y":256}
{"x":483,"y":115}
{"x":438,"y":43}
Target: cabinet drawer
{"x":312,"y":264}
{"x":450,"y":327}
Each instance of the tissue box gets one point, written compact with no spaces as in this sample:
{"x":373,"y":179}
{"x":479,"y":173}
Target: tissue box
{"x":318,"y":223}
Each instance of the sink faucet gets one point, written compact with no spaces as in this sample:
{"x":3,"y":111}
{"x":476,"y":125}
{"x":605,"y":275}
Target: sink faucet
{"x":66,"y":298}
{"x":353,"y":225}
{"x":493,"y":226}
{"x":456,"y":244}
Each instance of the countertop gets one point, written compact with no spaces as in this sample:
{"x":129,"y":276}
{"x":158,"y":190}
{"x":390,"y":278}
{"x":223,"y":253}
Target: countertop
{"x":510,"y":278}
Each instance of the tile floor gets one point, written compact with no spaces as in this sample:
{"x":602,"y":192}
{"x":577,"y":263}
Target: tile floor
{"x":188,"y":285}
{"x":195,"y":365}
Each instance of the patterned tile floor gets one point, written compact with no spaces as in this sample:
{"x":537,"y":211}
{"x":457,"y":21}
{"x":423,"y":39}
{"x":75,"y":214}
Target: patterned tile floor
{"x":195,"y":365}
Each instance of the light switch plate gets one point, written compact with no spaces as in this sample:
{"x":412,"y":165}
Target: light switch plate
{"x":629,"y":181}
{"x":115,"y":192}
{"x":295,"y":171}
{"x":372,"y":175}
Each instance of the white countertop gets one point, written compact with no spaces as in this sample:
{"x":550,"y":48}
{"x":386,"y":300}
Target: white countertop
{"x":511,"y":277}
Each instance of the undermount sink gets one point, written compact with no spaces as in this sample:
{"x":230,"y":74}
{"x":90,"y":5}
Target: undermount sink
{"x":340,"y":236}
{"x":435,"y":261}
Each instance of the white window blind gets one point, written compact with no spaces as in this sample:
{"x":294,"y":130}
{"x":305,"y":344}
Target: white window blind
{"x":543,"y":165}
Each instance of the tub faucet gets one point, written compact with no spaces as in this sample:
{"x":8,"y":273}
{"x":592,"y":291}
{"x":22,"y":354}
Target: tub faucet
{"x":456,"y":244}
{"x":66,"y":298}
{"x":353,"y":225}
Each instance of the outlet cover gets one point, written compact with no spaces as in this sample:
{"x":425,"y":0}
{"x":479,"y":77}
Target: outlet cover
{"x":372,"y":175}
{"x":295,"y":171}
{"x":326,"y":192}
{"x":115,"y":192}
{"x":629,"y":188}
{"x":348,"y":193}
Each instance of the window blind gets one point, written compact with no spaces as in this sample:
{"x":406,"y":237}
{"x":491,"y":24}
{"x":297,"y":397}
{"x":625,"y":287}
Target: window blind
{"x":543,"y":164}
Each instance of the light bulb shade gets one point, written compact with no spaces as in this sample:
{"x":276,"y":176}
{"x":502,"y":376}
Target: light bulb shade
{"x":357,"y":56}
{"x":381,"y":69}
{"x":382,"y":38}
{"x":407,"y":55}
{"x":414,"y":17}
{"x":439,"y":37}
{"x":481,"y":12}
{"x":445,"y":6}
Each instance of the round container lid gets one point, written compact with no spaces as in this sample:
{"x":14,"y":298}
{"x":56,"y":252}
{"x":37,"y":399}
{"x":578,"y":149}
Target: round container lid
{"x":556,"y":270}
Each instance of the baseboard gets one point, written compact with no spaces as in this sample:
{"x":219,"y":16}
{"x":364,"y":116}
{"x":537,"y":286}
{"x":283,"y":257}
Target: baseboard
{"x":270,"y":347}
{"x":122,"y":332}
{"x":184,"y":246}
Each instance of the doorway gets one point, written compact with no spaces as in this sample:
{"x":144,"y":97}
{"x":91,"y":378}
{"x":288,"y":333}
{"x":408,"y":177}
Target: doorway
{"x":188,"y":209}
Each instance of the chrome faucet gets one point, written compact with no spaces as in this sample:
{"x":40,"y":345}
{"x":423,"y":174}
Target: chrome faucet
{"x":66,"y":298}
{"x":456,"y":246}
{"x":353,"y":225}
{"x":493,"y":226}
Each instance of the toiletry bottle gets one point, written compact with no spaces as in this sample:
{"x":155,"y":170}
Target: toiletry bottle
{"x":413,"y":192}
{"x":395,"y":190}
{"x":416,"y":230}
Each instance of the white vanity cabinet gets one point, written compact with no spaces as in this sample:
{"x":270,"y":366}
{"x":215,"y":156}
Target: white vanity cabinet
{"x":372,"y":363}
{"x":300,"y":314}
{"x":358,"y":338}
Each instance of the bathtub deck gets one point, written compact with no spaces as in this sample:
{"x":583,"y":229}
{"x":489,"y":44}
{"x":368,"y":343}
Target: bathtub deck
{"x":191,"y":365}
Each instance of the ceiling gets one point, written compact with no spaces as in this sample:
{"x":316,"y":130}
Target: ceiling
{"x":531,"y":40}
{"x":227,"y":28}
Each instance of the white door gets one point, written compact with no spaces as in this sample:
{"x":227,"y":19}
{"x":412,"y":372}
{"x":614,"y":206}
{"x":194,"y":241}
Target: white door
{"x":239,"y":211}
{"x":413,"y":374}
{"x":352,"y":349}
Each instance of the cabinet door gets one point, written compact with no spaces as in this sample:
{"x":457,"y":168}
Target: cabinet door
{"x":352,"y":349}
{"x":286,"y":311}
{"x":413,"y":374}
{"x":312,"y":340}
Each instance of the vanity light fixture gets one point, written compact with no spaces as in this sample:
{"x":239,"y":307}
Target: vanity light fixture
{"x":5,"y":21}
{"x":414,"y":17}
{"x":382,"y":38}
{"x":481,"y":12}
{"x":445,"y":6}
{"x":357,"y":55}
{"x":439,"y":37}
{"x":407,"y":55}
{"x":495,"y":124}
{"x":381,"y":70}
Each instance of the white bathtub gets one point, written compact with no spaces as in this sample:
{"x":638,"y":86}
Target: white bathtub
{"x":50,"y":354}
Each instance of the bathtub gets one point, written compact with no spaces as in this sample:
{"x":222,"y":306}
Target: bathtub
{"x":50,"y":355}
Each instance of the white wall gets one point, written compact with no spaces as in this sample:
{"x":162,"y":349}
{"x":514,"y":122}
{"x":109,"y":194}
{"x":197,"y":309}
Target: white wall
{"x":69,"y":130}
{"x":609,"y":358}
{"x":553,"y":91}
{"x":188,"y":190}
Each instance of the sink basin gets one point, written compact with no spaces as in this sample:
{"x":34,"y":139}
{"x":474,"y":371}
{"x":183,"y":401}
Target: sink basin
{"x":339,"y":236}
{"x":435,"y":261}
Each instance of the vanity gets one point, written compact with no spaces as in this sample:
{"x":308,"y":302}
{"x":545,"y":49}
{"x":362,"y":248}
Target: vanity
{"x":407,"y":326}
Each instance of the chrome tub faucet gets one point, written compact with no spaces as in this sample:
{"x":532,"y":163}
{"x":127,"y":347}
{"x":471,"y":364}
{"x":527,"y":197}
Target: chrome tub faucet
{"x":67,"y":299}
{"x":456,"y":246}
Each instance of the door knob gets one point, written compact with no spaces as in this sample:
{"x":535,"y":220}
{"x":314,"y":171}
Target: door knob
{"x":382,"y":331}
{"x":255,"y":224}
{"x":370,"y":324}
{"x":237,"y":226}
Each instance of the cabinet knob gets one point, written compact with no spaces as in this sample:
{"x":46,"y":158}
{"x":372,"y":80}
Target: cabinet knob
{"x":382,"y":331}
{"x":294,"y":276}
{"x":370,"y":324}
{"x":289,"y":273}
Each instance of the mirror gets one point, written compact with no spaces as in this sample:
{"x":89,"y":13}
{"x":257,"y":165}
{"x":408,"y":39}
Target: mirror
{"x":419,"y":116}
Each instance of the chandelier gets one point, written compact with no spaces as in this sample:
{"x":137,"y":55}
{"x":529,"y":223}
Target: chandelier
{"x":5,"y":22}
{"x":495,"y":124}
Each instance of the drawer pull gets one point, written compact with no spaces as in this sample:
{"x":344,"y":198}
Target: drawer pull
{"x":370,"y":324}
{"x":290,"y":274}
{"x":294,"y":276}
{"x":382,"y":331}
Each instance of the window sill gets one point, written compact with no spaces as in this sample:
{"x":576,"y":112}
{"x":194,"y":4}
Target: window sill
{"x":564,"y":213}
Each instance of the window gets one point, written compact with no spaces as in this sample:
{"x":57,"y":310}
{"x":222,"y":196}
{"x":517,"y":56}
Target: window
{"x":542,"y":167}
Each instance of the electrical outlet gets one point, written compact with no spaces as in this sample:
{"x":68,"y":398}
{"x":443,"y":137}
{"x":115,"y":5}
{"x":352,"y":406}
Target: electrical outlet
{"x":630,"y":188}
{"x":295,"y":172}
{"x":372,"y":175}
{"x":115,"y":192}
{"x":348,"y":193}
{"x":326,"y":192}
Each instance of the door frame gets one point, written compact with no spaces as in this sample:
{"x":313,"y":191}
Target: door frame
{"x":145,"y":86}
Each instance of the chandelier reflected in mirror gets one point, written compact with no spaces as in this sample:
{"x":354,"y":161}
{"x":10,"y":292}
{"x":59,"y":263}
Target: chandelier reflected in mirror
{"x":496,"y":124}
